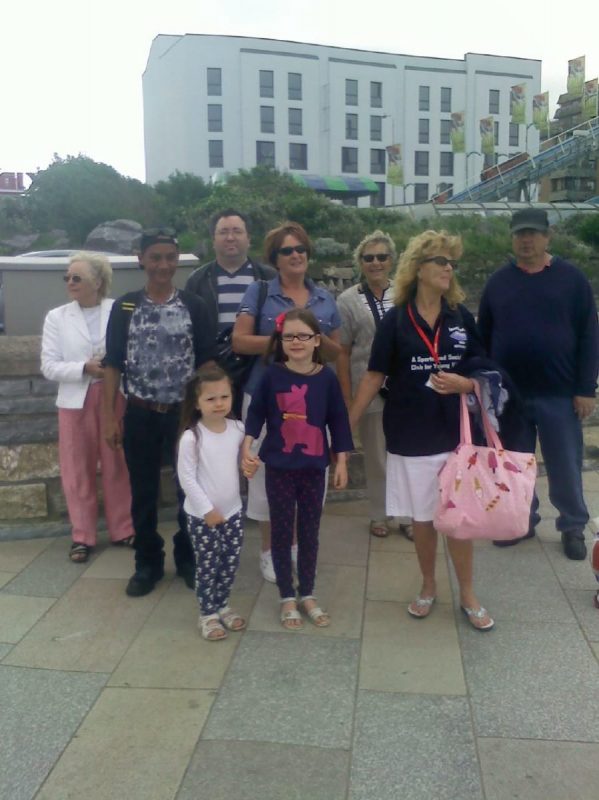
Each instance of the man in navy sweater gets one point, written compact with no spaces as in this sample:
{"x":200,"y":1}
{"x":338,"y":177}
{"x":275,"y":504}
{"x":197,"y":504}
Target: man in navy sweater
{"x":537,"y":318}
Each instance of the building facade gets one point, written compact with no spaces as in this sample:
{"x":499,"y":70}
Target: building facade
{"x":215,"y":104}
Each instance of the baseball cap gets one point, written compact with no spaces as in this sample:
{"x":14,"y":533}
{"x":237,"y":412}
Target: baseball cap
{"x":162,"y":235}
{"x":534,"y":219}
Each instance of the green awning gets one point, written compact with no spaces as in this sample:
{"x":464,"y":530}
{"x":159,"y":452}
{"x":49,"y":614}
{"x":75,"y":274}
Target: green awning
{"x":337,"y":185}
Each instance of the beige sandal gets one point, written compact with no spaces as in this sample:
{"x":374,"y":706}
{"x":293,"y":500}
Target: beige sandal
{"x":421,"y":607}
{"x":379,"y":528}
{"x":315,"y":614}
{"x":291,"y":615}
{"x":231,"y":619}
{"x":211,"y":629}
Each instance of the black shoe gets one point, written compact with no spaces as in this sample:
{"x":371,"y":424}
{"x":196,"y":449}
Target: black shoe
{"x":574,"y":546}
{"x":187,"y":572}
{"x":143,"y":581}
{"x":510,"y":542}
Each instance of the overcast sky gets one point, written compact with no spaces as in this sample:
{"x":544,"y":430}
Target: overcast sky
{"x":70,"y":70}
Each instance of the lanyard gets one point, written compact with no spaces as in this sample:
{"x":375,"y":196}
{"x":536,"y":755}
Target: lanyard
{"x":433,"y":348}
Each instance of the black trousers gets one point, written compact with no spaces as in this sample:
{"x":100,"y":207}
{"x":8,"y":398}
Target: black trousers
{"x":149,"y":441}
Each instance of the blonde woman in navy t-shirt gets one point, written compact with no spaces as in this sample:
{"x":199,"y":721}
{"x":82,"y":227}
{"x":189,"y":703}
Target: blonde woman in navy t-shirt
{"x":422,"y":344}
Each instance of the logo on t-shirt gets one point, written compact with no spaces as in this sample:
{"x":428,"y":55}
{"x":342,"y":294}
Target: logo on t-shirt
{"x":459,"y":336}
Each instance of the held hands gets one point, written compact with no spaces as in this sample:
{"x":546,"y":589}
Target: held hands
{"x":450,"y":383}
{"x":213,"y":518}
{"x":249,"y":463}
{"x":94,"y":367}
{"x":583,"y":406}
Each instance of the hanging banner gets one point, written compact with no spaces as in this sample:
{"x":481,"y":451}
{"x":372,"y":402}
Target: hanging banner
{"x":487,"y":138}
{"x":590,"y":96}
{"x":575,"y":76}
{"x":458,"y":133}
{"x":540,"y":112}
{"x":394,"y":165}
{"x":518,"y":104}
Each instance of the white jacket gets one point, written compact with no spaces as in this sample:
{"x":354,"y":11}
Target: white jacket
{"x":66,"y":346}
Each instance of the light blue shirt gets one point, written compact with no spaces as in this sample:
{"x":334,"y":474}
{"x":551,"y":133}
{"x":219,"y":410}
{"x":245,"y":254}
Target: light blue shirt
{"x":320,"y":303}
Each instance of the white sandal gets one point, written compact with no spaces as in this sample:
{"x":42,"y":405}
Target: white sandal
{"x":290,"y":615}
{"x":231,"y":619}
{"x":211,"y":624}
{"x":316,"y":615}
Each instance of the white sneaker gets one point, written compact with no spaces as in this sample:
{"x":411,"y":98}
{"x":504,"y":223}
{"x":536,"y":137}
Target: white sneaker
{"x":294,"y":558}
{"x":266,"y":567}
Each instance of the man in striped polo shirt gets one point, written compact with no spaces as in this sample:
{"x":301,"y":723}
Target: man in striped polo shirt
{"x":222,"y":283}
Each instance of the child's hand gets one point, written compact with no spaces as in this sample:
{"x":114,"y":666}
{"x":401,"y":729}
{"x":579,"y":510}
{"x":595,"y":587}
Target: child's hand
{"x":340,"y":474}
{"x":213,"y":518}
{"x":249,"y":465}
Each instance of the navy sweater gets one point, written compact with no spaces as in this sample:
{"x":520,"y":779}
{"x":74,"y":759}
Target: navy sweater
{"x":542,"y":328}
{"x":298,"y":410}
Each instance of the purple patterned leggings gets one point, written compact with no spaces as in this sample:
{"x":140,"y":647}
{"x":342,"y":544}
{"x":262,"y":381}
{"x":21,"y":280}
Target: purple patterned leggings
{"x":288,"y":490}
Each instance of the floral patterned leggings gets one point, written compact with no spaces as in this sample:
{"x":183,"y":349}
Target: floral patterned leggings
{"x":288,"y":490}
{"x":216,"y":560}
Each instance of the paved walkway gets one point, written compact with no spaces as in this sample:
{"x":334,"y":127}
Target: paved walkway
{"x":103,"y":696}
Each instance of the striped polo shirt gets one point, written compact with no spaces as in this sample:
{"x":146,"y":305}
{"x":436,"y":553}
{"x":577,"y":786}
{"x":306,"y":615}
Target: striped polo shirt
{"x":231,"y":288}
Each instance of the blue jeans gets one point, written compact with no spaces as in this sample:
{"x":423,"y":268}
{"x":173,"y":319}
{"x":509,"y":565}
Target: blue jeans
{"x":560,"y":435}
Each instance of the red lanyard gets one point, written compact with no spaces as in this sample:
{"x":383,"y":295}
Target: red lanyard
{"x":433,"y":348}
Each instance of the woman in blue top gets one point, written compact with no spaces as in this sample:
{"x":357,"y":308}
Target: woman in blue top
{"x":288,"y":249}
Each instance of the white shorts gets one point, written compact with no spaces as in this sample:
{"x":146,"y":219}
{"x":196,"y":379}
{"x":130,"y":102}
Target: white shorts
{"x":257,"y":502}
{"x":413,"y":485}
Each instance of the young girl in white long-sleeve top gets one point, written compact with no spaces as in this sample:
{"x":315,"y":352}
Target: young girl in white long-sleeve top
{"x":208,"y":469}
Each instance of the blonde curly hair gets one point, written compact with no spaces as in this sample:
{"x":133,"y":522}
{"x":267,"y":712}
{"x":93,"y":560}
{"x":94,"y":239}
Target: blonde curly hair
{"x":427,"y":244}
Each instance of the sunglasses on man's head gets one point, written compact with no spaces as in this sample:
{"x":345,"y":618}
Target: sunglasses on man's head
{"x":440,"y":261}
{"x":369,"y":257}
{"x":159,"y":232}
{"x":287,"y":251}
{"x":73,"y":278}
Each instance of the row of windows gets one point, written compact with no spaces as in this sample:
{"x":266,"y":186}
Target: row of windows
{"x":445,"y":132}
{"x":351,"y":127}
{"x":265,"y":154}
{"x":352,"y":97}
{"x":424,"y":98}
{"x":266,"y":80}
{"x":267,"y":119}
{"x":421,"y":162}
{"x":349,"y":160}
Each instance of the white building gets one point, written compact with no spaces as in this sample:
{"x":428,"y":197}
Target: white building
{"x":221,"y":103}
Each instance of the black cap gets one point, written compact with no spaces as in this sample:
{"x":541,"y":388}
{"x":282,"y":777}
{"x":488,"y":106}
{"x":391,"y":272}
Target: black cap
{"x":157,"y":236}
{"x":534,"y":219}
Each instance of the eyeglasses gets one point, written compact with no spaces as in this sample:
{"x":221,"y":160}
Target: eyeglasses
{"x":287,"y":251}
{"x":440,"y":261}
{"x":301,"y":337}
{"x":369,"y":257}
{"x":73,"y":278}
{"x":230,"y":232}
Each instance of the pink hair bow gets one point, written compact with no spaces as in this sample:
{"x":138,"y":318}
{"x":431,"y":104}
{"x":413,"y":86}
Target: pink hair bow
{"x":279,"y":322}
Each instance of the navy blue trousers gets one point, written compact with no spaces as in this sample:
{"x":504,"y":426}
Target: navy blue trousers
{"x":559,"y":430}
{"x":291,"y":492}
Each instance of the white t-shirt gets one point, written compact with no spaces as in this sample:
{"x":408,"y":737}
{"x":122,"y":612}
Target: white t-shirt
{"x":208,"y":469}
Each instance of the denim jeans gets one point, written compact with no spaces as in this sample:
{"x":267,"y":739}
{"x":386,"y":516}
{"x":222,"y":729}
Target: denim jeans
{"x":559,"y":430}
{"x":149,"y":441}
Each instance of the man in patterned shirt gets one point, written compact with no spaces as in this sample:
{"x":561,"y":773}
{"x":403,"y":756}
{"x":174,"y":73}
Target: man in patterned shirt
{"x":156,"y":338}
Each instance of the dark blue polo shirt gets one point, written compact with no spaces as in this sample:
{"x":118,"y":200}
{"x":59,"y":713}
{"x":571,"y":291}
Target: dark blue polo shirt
{"x":417,"y":420}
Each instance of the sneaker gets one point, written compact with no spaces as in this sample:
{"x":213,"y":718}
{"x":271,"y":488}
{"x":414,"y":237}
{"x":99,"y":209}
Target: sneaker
{"x":187,"y":572}
{"x":509,"y":542}
{"x":574,"y":545}
{"x":266,"y":567}
{"x":144,"y":580}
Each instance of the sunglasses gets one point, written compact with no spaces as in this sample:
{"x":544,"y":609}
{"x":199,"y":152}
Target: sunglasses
{"x":301,"y":337}
{"x":72,"y":278}
{"x":440,"y":261}
{"x":369,"y":257}
{"x":159,"y":232}
{"x":287,"y":251}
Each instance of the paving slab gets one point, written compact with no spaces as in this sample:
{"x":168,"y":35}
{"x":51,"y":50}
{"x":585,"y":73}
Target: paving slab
{"x":5,"y":650}
{"x":585,"y":611}
{"x":349,"y":508}
{"x":517,"y":768}
{"x":169,"y":652}
{"x":5,"y":577}
{"x":570,"y":574}
{"x":394,"y":543}
{"x":520,"y":680}
{"x":340,"y":591}
{"x":395,"y":576}
{"x":413,"y":747}
{"x":280,"y":690}
{"x":250,"y":770}
{"x":16,"y":555}
{"x":19,"y":614}
{"x":88,"y":629}
{"x":111,"y":562}
{"x":41,"y":711}
{"x":343,"y":541}
{"x":51,"y":573}
{"x":140,"y":758}
{"x":402,"y":654}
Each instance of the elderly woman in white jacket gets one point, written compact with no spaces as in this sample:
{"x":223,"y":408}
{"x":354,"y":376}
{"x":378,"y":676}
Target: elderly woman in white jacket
{"x":73,"y":344}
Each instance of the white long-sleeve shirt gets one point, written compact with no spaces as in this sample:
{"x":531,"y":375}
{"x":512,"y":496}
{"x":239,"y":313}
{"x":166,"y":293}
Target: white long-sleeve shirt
{"x":207,"y":466}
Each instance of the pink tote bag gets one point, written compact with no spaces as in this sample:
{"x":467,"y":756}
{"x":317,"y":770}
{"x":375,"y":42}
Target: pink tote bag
{"x":484,"y":492}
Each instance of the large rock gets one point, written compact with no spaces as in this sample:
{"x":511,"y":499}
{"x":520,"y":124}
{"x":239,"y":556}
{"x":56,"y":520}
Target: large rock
{"x":120,"y":236}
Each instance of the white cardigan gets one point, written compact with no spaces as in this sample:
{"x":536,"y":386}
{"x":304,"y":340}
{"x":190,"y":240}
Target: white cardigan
{"x":66,"y":346}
